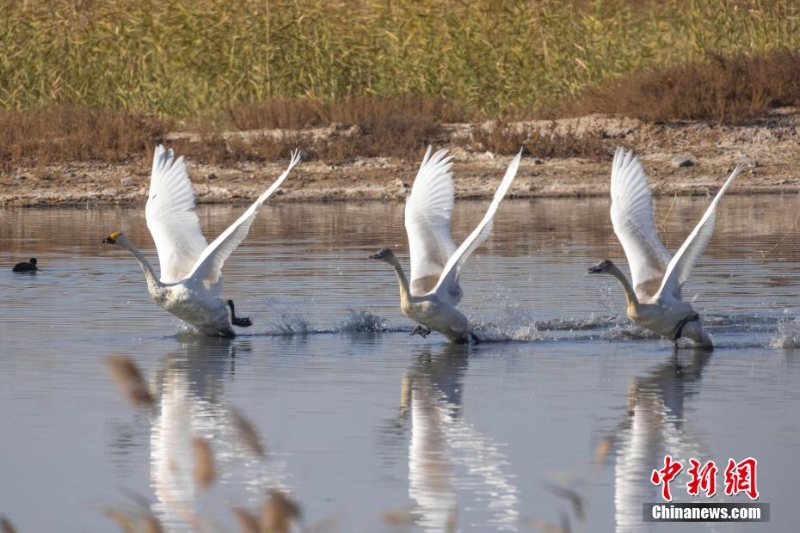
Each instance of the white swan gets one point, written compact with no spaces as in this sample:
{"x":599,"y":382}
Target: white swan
{"x":191,"y":278}
{"x":433,"y":293}
{"x":654,"y":299}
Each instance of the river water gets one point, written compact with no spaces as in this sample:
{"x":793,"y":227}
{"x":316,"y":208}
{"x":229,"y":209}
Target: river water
{"x":369,"y":429}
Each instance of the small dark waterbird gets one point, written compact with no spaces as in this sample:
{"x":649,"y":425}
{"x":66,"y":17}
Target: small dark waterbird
{"x":29,"y":267}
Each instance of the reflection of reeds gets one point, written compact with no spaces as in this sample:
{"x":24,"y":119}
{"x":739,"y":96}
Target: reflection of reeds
{"x":248,"y":435}
{"x":204,"y":471}
{"x":451,"y":526}
{"x":129,"y":380}
{"x":576,"y":501}
{"x":548,"y":527}
{"x":278,"y":511}
{"x":403,"y":517}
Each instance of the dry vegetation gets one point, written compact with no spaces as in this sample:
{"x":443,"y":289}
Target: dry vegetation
{"x":87,"y":87}
{"x":720,"y":89}
{"x":103,"y":80}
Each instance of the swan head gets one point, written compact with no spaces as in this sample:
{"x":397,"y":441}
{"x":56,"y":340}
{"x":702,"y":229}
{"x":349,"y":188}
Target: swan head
{"x":603,"y":267}
{"x":386,"y":255}
{"x":118,"y":238}
{"x":112,"y":239}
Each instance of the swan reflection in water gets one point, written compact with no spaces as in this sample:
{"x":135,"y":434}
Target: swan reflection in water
{"x":191,"y":387}
{"x":654,"y":426}
{"x":452,"y":466}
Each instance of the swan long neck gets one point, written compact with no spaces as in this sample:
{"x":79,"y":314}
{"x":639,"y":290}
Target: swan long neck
{"x":630,"y":295}
{"x":153,"y":283}
{"x":402,"y":280}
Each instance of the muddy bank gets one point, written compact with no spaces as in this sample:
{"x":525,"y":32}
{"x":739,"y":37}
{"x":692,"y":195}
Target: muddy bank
{"x":686,"y":158}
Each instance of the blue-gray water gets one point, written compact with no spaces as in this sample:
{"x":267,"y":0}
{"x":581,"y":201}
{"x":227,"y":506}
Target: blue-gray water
{"x":361,"y":420}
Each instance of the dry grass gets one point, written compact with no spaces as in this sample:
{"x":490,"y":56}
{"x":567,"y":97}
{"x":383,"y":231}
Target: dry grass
{"x":548,"y":142}
{"x":726,"y":90}
{"x":71,"y":133}
{"x":184,"y":58}
{"x":104,"y":80}
{"x":721,"y":89}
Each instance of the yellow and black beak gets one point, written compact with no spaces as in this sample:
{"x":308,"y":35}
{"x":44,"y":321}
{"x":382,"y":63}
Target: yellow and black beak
{"x":111,"y":239}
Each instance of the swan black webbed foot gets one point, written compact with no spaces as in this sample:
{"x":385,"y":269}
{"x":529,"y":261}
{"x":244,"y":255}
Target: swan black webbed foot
{"x":422,"y":331}
{"x":242,"y":321}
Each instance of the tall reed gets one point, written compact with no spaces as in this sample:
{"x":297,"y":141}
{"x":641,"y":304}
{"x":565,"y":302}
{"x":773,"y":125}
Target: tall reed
{"x":184,"y":57}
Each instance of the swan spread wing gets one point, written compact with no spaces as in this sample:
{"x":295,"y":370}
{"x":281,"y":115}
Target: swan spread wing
{"x":632,"y":218}
{"x":208,"y":266}
{"x":447,"y":288}
{"x":693,"y":247}
{"x":171,"y":217}
{"x":427,"y":218}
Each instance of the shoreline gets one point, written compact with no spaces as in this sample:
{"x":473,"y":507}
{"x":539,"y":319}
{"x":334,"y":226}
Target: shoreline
{"x":770,"y":147}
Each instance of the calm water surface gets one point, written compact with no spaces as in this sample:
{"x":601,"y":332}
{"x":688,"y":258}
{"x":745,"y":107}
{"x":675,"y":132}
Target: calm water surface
{"x":360,"y":419}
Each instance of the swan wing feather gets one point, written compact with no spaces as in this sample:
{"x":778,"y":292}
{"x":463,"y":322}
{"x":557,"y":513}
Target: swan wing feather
{"x":171,"y":217}
{"x":632,"y":218}
{"x":427,"y":220}
{"x":447,"y":288}
{"x":693,"y":247}
{"x":209,"y":265}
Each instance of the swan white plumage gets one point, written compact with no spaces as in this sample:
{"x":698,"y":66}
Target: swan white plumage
{"x":433,"y":293}
{"x":191,"y":279}
{"x":654,"y":298}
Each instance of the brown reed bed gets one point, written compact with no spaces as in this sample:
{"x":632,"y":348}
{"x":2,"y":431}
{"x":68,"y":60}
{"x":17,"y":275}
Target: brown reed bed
{"x":719,"y":89}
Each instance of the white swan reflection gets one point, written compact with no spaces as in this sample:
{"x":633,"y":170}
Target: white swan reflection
{"x":452,"y":465}
{"x":654,"y":426}
{"x":192,"y":404}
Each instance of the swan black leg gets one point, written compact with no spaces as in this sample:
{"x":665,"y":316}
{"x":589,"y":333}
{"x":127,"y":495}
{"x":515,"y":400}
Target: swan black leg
{"x":678,"y":367}
{"x":242,"y":322}
{"x":422,"y":331}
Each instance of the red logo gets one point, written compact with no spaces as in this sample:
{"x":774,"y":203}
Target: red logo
{"x":665,"y":475}
{"x":739,"y":477}
{"x":704,"y":479}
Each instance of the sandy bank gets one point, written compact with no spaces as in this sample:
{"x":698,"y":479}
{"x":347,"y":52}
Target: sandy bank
{"x":770,"y":147}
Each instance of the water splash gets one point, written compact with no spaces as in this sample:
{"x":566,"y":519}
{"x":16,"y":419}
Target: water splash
{"x":513,"y":323}
{"x":291,"y":323}
{"x":788,"y":334}
{"x":363,"y":322}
